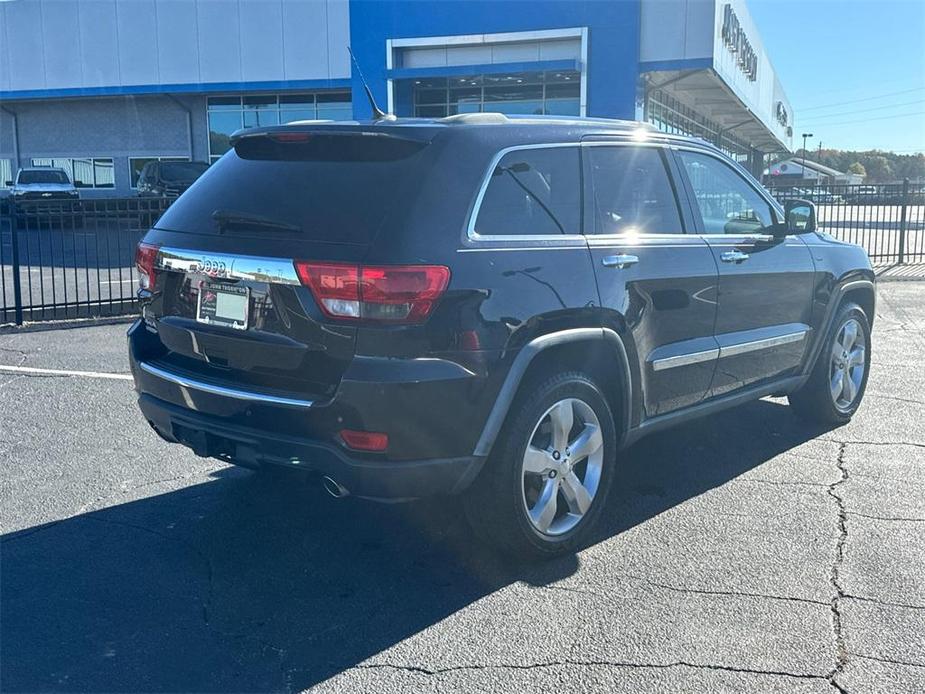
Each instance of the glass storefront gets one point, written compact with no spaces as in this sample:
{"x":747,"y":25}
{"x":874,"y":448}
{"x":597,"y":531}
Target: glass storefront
{"x":230,"y":113}
{"x":534,"y":93}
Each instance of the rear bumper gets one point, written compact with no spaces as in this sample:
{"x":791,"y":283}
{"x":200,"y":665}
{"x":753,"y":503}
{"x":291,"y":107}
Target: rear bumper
{"x":383,"y":479}
{"x":432,"y":410}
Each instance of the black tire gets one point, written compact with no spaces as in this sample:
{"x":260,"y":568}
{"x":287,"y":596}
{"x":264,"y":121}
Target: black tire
{"x":495,"y":505}
{"x":814,"y":400}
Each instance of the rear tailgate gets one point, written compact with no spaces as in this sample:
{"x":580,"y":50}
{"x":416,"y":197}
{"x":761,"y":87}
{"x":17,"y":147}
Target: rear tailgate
{"x":227,"y":303}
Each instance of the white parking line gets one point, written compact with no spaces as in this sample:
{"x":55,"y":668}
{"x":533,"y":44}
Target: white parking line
{"x":63,"y":372}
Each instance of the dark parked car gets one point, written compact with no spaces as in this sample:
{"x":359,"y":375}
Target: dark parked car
{"x":169,"y":178}
{"x":487,"y":306}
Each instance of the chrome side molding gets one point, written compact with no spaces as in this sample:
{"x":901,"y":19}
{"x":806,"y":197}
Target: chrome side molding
{"x":213,"y":389}
{"x":685,"y":359}
{"x":727,"y":350}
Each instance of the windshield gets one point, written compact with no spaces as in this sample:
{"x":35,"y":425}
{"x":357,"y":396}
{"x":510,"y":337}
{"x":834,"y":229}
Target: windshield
{"x":182,"y":171}
{"x":42,"y":176}
{"x":334,"y":188}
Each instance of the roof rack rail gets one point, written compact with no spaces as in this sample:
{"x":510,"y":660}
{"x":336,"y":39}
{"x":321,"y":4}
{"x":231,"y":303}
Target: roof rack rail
{"x":494,"y":118}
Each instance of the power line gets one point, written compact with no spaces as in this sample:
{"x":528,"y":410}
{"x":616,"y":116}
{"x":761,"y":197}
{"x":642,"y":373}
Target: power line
{"x":869,"y":98}
{"x":863,"y":110}
{"x":867,"y":120}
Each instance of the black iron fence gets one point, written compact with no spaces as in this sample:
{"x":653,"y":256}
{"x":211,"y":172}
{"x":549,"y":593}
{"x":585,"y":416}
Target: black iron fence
{"x":71,"y":258}
{"x":75,"y":258}
{"x":888,"y":220}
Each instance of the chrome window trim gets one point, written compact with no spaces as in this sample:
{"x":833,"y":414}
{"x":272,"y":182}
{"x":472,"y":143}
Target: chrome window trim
{"x":473,"y":235}
{"x":227,"y":265}
{"x":212,"y":389}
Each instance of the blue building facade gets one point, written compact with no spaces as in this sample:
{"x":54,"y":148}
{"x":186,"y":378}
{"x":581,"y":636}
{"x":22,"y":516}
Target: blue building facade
{"x":100,"y":87}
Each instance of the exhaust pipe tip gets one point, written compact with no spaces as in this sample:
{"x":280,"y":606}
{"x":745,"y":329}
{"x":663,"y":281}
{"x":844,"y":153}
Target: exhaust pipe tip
{"x":334,"y":488}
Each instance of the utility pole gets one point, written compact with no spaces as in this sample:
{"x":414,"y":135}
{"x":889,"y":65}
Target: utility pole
{"x":805,"y":137}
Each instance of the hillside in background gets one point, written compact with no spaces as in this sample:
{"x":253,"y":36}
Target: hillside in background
{"x":876,"y":166}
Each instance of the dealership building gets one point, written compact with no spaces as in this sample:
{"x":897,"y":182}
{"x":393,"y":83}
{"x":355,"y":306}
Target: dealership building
{"x":100,"y":87}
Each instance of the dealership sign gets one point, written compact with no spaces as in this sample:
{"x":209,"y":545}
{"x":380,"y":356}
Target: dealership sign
{"x":737,"y":42}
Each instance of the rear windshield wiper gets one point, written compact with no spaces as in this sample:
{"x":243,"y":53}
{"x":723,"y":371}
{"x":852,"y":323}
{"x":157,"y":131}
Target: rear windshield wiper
{"x":231,"y":218}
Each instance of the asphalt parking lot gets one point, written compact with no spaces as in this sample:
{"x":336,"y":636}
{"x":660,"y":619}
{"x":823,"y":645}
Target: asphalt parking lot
{"x":744,"y":552}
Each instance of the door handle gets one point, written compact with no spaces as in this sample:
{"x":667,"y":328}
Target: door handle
{"x":620,"y":261}
{"x":735,"y":256}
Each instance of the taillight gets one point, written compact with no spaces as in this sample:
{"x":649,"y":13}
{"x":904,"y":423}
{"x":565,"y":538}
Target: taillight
{"x":384,"y":293}
{"x":145,"y":256}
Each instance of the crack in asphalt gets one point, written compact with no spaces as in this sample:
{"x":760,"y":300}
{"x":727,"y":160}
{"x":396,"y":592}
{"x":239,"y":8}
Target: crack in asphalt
{"x":890,"y":661}
{"x":588,"y":663}
{"x":893,"y":397}
{"x":22,"y":355}
{"x":780,"y":483}
{"x":897,"y":519}
{"x":841,"y":649}
{"x":207,"y":562}
{"x":884,"y":603}
{"x":691,"y":591}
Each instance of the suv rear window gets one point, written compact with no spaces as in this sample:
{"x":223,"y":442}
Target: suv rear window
{"x":334,"y":187}
{"x":533,"y":192}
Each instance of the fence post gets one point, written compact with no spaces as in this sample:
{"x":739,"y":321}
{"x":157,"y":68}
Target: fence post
{"x":902,"y":222}
{"x":17,"y":281}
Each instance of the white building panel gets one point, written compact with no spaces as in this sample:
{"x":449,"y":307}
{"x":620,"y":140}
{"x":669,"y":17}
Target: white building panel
{"x":62,"y":64}
{"x":98,"y":43}
{"x":261,"y":21}
{"x":75,"y":44}
{"x":136,"y":24}
{"x":219,"y":32}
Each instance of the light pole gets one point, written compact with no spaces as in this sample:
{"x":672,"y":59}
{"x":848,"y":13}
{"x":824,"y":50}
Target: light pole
{"x":805,"y":137}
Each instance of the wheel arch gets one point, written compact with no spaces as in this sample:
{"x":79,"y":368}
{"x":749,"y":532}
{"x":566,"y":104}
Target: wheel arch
{"x":600,"y":352}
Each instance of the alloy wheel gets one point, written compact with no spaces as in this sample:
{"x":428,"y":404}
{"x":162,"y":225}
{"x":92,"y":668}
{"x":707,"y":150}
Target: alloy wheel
{"x":562,"y":466}
{"x":848,"y":362}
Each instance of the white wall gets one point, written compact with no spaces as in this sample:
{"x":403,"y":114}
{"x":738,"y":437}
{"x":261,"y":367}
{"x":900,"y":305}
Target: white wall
{"x":59,"y":44}
{"x":676,"y":29}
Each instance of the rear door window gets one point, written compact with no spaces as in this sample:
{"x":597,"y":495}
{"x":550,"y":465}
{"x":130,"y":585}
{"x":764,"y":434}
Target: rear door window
{"x":533,"y":192}
{"x":631,"y":192}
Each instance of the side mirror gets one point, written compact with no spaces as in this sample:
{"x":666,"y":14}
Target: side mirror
{"x":801,"y":216}
{"x":8,"y":184}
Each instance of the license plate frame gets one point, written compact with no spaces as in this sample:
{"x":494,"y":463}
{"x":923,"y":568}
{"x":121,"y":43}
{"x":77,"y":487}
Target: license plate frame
{"x":226,"y":305}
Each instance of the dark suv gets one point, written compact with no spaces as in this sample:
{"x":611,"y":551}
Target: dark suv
{"x":484,"y":305}
{"x":169,"y":178}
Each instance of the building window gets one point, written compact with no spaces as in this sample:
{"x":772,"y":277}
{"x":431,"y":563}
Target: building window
{"x":229,"y":113}
{"x":533,"y":93}
{"x":88,"y":172}
{"x":136,"y":164}
{"x":6,"y":172}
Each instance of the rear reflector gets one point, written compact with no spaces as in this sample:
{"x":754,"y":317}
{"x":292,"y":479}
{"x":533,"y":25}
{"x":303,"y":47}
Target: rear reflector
{"x":145,"y":256}
{"x":387,"y":293}
{"x":365,"y":440}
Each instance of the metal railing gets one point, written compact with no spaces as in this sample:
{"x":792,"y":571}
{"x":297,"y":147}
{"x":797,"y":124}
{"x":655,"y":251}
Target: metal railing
{"x":75,"y":258}
{"x":71,"y":258}
{"x":888,"y":220}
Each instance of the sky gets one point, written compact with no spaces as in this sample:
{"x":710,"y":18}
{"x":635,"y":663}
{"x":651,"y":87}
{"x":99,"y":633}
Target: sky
{"x":854,"y":70}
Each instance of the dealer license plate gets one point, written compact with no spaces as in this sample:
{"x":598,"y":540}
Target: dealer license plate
{"x":223,"y":304}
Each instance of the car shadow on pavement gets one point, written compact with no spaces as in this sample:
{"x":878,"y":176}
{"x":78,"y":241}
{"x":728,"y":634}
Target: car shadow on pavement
{"x":244,"y":583}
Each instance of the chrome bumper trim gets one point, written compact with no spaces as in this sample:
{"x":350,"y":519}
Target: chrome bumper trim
{"x":251,"y":396}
